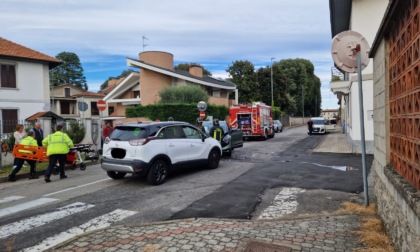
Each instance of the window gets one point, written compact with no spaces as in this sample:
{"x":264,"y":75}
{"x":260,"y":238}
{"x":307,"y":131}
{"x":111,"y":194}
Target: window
{"x":67,"y":92}
{"x":7,"y":76}
{"x":110,"y":110}
{"x":9,"y":120}
{"x":65,"y":107}
{"x":191,"y":132}
{"x":136,"y":94}
{"x":94,"y":109}
{"x":173,"y":132}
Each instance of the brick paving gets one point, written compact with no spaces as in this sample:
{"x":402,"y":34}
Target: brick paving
{"x":335,"y":142}
{"x":332,"y":232}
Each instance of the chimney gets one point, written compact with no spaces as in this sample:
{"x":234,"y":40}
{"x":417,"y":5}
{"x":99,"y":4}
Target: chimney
{"x":196,"y":70}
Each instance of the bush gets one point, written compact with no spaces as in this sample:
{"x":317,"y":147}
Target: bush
{"x":76,"y":132}
{"x":183,"y":94}
{"x":180,"y":112}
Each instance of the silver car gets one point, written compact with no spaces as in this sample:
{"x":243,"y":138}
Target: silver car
{"x":278,"y":127}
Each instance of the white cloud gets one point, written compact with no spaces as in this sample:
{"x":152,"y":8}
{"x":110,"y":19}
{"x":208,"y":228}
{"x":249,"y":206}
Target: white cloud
{"x":217,"y":32}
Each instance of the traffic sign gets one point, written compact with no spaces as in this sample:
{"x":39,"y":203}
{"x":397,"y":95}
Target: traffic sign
{"x":101,"y":105}
{"x":202,"y":114}
{"x":202,"y":106}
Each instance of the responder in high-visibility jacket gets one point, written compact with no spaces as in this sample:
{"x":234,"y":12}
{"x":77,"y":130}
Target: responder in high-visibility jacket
{"x":58,"y":145}
{"x":216,"y":131}
{"x":31,"y":141}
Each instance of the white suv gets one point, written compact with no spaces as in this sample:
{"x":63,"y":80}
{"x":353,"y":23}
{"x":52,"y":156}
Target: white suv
{"x":153,"y":149}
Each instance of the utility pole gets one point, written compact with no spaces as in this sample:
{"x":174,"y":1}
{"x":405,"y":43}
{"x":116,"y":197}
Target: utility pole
{"x":303,"y":108}
{"x":272,"y":97}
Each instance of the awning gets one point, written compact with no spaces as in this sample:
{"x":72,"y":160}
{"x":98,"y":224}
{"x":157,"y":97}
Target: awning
{"x":44,"y":114}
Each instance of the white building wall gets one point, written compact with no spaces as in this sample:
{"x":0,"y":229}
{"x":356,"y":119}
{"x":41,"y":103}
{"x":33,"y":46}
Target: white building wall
{"x":32,"y":90}
{"x":366,"y":16}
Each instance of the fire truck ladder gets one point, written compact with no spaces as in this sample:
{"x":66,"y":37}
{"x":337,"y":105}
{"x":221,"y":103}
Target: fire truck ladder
{"x":254,"y":119}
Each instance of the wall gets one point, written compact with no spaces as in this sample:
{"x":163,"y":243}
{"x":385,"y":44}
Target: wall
{"x":30,"y":95}
{"x":398,"y":206}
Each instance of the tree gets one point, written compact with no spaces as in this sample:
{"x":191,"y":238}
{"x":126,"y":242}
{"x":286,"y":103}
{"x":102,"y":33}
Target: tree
{"x":70,"y":72}
{"x":244,"y":76}
{"x":183,"y":94}
{"x":186,"y":67}
{"x":124,"y":73}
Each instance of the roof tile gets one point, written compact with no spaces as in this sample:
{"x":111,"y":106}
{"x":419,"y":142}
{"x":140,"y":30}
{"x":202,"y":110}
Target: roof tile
{"x":9,"y":48}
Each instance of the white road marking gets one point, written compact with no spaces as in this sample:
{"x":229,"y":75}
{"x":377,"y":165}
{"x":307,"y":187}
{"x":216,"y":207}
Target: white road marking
{"x":42,"y":219}
{"x":284,"y":203}
{"x":75,"y":187}
{"x":25,"y":206}
{"x":97,"y":223}
{"x":11,"y":198}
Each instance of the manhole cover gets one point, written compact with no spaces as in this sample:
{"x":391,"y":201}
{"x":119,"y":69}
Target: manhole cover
{"x":264,"y":247}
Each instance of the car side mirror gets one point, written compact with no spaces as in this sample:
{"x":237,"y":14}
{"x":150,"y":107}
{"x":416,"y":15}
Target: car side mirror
{"x":203,"y":137}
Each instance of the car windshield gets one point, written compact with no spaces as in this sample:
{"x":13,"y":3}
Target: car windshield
{"x":208,"y":124}
{"x":128,"y":133}
{"x":318,"y":121}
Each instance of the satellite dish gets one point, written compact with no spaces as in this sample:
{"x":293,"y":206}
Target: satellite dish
{"x":344,"y":52}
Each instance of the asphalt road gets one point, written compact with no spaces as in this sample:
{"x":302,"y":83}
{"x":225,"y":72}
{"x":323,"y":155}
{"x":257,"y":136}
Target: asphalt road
{"x":242,"y":187}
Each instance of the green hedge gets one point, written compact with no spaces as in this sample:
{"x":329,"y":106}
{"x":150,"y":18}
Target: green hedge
{"x":180,"y":112}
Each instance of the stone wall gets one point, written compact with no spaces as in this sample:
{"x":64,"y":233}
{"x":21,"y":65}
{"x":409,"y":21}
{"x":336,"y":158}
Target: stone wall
{"x":398,"y":202}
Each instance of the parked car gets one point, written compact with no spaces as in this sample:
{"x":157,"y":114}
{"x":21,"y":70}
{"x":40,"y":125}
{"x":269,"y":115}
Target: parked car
{"x":278,"y":127}
{"x":157,"y":148}
{"x":319,"y":125}
{"x":232,"y":138}
{"x":331,"y":125}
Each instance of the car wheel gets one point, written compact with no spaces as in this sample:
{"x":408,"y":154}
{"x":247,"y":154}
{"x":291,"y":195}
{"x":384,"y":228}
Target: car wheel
{"x":157,"y":172}
{"x":213,"y":160}
{"x":281,"y":129}
{"x":82,"y":166}
{"x":229,"y":153}
{"x":116,"y":175}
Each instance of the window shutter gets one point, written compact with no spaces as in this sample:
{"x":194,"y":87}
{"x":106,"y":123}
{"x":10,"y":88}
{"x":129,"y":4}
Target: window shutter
{"x":8,"y":76}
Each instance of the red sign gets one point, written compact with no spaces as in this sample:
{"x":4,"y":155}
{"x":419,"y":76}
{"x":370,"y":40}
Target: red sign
{"x":202,"y":114}
{"x":101,"y":105}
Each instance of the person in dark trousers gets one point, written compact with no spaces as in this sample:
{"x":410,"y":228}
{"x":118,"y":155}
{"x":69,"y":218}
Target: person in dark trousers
{"x":216,"y":131}
{"x":200,"y":124}
{"x":31,"y":141}
{"x":39,"y":133}
{"x":58,"y":145}
{"x":310,"y":127}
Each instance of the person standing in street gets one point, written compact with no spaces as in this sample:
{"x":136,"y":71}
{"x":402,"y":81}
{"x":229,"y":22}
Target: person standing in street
{"x":39,"y":133}
{"x":107,"y":131}
{"x":216,"y":131}
{"x":31,"y":141}
{"x":58,"y":145}
{"x":200,"y":124}
{"x":19,"y":135}
{"x":310,"y":127}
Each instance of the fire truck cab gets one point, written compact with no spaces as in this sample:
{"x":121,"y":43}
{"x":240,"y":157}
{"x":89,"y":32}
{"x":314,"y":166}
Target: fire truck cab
{"x":253,"y":121}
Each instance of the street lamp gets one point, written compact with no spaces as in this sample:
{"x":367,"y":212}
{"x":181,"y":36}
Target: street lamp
{"x":272,"y":98}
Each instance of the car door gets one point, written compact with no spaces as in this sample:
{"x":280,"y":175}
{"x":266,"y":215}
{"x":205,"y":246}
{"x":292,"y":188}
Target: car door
{"x":176,"y":146}
{"x":198,"y":149}
{"x":237,"y":137}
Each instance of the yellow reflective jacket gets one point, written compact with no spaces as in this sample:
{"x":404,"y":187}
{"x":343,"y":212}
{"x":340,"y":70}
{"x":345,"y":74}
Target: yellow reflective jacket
{"x":28,"y":141}
{"x":57,"y":143}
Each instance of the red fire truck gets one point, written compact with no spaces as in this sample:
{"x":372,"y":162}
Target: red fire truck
{"x":254,"y":121}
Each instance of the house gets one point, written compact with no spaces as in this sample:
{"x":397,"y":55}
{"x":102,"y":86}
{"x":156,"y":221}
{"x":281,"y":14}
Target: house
{"x":396,"y":79}
{"x":330,"y":113}
{"x":156,"y":73}
{"x":364,"y":17}
{"x":67,"y":100}
{"x":24,"y":83}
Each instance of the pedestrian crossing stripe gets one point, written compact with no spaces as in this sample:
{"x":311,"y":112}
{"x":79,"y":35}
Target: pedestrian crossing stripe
{"x":25,"y":206}
{"x":97,"y":223}
{"x":10,"y":199}
{"x":42,"y":219}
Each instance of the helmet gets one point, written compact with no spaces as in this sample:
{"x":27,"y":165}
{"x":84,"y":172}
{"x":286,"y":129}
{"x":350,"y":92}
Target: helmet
{"x":216,"y":122}
{"x":199,"y":120}
{"x":170,"y":119}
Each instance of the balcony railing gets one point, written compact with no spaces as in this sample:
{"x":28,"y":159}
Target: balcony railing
{"x":337,"y":75}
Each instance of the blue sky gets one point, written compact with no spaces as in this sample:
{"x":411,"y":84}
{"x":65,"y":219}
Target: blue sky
{"x":213,"y":33}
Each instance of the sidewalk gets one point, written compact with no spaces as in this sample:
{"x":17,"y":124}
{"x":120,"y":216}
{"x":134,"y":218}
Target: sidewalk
{"x":332,"y":232}
{"x":320,"y":232}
